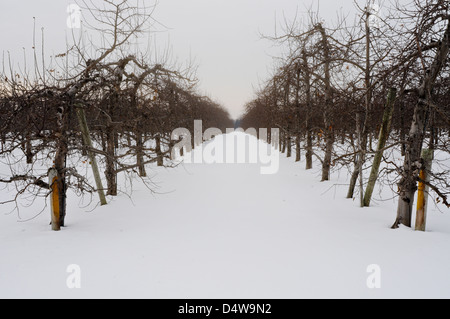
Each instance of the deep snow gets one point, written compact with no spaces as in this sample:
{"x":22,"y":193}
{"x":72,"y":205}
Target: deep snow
{"x":225,"y":231}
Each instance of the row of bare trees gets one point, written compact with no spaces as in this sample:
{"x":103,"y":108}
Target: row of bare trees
{"x":346,"y":94}
{"x":112,"y":105}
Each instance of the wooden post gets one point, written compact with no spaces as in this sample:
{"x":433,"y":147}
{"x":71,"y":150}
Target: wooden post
{"x":422,"y":196}
{"x":384,"y":134}
{"x":88,"y":142}
{"x":54,"y":199}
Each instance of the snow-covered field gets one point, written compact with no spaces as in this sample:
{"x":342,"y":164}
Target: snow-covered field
{"x":225,"y":231}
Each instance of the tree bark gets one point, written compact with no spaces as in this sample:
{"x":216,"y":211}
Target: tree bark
{"x":289,"y":145}
{"x":328,"y":118}
{"x":88,"y":143}
{"x":309,"y":149}
{"x":110,"y":173}
{"x":140,"y":153}
{"x":382,"y":138}
{"x":159,"y":153}
{"x":412,"y":163}
{"x":422,"y":197}
{"x":54,"y":199}
{"x":353,"y":178}
{"x":298,"y":151}
{"x":60,"y":161}
{"x":307,"y":81}
{"x":326,"y":166}
{"x":411,"y":167}
{"x":29,"y":151}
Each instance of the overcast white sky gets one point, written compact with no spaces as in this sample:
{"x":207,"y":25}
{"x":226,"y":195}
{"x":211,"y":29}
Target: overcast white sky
{"x":222,"y":36}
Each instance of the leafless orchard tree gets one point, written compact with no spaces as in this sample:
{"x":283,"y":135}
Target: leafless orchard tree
{"x":384,"y":72}
{"x":429,"y":42}
{"x":102,"y":99}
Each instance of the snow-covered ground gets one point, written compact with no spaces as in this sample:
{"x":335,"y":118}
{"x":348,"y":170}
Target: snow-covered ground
{"x":225,"y":231}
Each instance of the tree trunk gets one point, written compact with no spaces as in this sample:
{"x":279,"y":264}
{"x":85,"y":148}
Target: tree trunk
{"x":140,"y":153}
{"x":328,"y":107}
{"x":289,"y":145}
{"x":384,"y":134}
{"x":298,"y":151}
{"x":159,"y":153}
{"x":3,"y":137}
{"x":309,"y":149}
{"x":412,"y":164}
{"x":307,"y":81}
{"x":88,"y":146}
{"x":60,"y":162}
{"x":362,"y":122}
{"x":422,"y":197}
{"x":326,"y":166}
{"x":362,"y":145}
{"x":29,"y":151}
{"x":110,"y":173}
{"x":116,"y":140}
{"x":411,"y":167}
{"x":54,"y":199}
{"x":282,"y":143}
{"x":402,"y":129}
{"x":353,"y":179}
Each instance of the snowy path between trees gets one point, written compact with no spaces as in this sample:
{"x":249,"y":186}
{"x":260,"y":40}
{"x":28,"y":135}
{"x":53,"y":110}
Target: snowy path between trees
{"x":226,"y":231}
